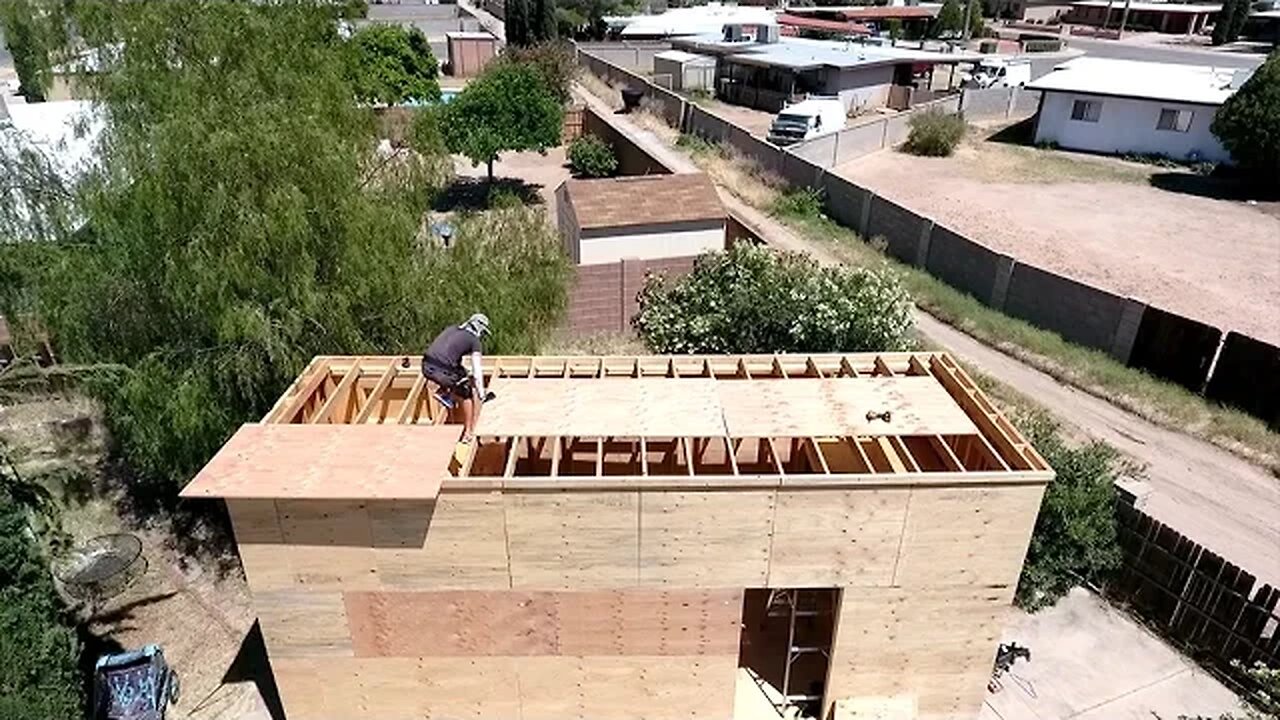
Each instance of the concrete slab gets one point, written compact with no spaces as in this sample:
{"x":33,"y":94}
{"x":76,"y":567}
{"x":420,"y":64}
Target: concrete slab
{"x":1091,"y":661}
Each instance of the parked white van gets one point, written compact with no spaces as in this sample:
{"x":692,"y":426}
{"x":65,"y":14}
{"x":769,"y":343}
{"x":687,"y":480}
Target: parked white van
{"x":998,"y":73}
{"x":807,"y":119}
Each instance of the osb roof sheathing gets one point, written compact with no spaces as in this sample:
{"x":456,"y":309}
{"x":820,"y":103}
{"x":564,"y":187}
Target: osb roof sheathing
{"x":644,"y":200}
{"x":329,"y":462}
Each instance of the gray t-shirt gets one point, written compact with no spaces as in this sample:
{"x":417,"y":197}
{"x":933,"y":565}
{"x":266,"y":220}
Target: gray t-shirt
{"x":450,"y":346}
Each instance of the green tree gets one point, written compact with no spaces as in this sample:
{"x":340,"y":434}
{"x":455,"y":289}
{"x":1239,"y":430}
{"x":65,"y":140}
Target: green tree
{"x":515,"y":22}
{"x":977,"y":25}
{"x":950,"y":20}
{"x":1222,"y":24}
{"x":509,"y":107}
{"x":391,"y":64}
{"x":1075,"y":537}
{"x":752,"y":299}
{"x":28,"y":28}
{"x":543,"y":23}
{"x":554,"y":61}
{"x":1248,"y":123}
{"x":241,"y":222}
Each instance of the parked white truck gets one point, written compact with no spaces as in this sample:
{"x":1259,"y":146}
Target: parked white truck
{"x":807,"y":119}
{"x":998,"y":73}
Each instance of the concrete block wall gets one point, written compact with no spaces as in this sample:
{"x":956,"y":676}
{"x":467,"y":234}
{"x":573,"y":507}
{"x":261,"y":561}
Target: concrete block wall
{"x":968,"y":266}
{"x":1078,"y":312}
{"x":632,"y":159}
{"x":1247,"y":375}
{"x":602,"y":298}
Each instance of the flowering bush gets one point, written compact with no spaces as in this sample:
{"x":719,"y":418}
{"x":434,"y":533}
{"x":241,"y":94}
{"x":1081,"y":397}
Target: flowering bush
{"x":751,"y":299}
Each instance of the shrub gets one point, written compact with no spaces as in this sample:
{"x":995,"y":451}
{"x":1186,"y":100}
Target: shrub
{"x":801,"y":203}
{"x":591,"y":157}
{"x":38,"y":678}
{"x":391,"y":64}
{"x":1248,"y":123}
{"x":935,"y":133}
{"x":751,"y":299}
{"x":1075,"y":537}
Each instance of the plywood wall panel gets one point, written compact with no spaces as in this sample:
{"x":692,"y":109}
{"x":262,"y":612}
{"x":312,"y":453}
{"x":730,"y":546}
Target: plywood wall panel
{"x":928,"y":642}
{"x":463,"y":547}
{"x":836,"y":538}
{"x":705,"y":539}
{"x":630,"y":688}
{"x":967,"y":536}
{"x":468,"y":623}
{"x":529,"y":688}
{"x":647,"y":622}
{"x":255,"y":521}
{"x":303,"y":623}
{"x":398,"y":688}
{"x":578,"y":540}
{"x":326,"y":523}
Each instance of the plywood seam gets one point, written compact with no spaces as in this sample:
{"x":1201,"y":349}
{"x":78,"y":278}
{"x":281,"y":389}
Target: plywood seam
{"x":902,"y":538}
{"x":506,"y":541}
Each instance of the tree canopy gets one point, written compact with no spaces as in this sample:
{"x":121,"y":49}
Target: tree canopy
{"x":1248,"y":123}
{"x":751,"y":299}
{"x":29,"y":32}
{"x":509,"y":107}
{"x":391,"y":64}
{"x":529,"y":22}
{"x":241,"y":222}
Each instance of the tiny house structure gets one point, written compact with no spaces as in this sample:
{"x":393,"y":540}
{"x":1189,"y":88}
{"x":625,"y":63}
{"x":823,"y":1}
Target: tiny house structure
{"x":632,"y":537}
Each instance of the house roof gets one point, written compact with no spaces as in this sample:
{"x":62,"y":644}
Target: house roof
{"x":681,"y":56}
{"x":1165,"y":7}
{"x":804,"y":53}
{"x":696,"y":20}
{"x":643,"y":200}
{"x":899,"y":12}
{"x":369,"y":428}
{"x":809,"y":23}
{"x":1196,"y":84}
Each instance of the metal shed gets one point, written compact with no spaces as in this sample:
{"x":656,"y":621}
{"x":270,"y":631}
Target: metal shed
{"x":681,"y":70}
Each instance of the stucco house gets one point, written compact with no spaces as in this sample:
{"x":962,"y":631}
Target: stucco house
{"x":1126,"y":106}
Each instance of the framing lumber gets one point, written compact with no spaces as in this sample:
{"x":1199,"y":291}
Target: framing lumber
{"x":375,"y":395}
{"x":340,"y":394}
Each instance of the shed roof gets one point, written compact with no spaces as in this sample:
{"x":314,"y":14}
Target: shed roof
{"x":1164,"y":7}
{"x":1197,"y":84}
{"x":643,"y":200}
{"x":804,"y":53}
{"x":811,"y":23}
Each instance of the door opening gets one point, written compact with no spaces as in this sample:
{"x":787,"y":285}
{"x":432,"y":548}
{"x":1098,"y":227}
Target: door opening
{"x":786,"y":645}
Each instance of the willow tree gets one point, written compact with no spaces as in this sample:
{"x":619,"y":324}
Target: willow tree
{"x":241,"y":222}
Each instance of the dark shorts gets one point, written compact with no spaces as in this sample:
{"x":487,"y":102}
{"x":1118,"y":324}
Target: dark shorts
{"x":452,"y":379}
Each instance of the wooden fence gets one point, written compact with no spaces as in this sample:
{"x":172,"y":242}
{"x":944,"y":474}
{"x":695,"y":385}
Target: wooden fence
{"x":1196,"y":599}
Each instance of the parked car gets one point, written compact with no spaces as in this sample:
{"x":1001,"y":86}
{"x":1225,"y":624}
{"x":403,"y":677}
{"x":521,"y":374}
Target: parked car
{"x":997,"y":73}
{"x":806,"y":120}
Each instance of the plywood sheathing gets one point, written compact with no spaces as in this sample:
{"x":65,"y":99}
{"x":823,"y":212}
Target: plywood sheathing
{"x":811,"y":407}
{"x":530,"y":688}
{"x":597,"y":623}
{"x":639,"y":407}
{"x":329,"y":462}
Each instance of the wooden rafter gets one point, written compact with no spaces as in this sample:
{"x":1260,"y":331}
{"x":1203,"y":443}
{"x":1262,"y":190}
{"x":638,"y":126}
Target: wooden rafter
{"x":375,"y":395}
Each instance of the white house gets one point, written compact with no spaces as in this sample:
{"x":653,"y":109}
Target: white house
{"x":1126,"y":106}
{"x":696,"y":20}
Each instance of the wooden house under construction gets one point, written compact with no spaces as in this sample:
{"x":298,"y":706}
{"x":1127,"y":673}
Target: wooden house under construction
{"x":633,"y":537}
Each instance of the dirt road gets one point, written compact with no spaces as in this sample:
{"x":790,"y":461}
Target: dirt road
{"x":1222,"y":502}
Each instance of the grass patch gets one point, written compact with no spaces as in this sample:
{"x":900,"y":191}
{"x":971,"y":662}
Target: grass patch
{"x":733,"y":171}
{"x":1161,"y":402}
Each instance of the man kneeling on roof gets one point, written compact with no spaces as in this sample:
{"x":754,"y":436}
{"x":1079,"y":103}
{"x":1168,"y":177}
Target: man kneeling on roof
{"x":442,"y":365}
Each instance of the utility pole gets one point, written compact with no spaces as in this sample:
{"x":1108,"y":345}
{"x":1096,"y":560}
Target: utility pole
{"x":1106,"y":20}
{"x":968,"y":19}
{"x":1124,"y":18}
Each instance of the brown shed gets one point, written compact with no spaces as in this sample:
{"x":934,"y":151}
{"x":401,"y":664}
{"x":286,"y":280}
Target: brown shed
{"x":470,"y":52}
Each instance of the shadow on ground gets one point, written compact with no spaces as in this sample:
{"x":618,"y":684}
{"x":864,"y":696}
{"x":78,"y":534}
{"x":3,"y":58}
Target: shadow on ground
{"x":1219,"y":186}
{"x":477,"y":194}
{"x":1019,"y":133}
{"x":252,"y":665}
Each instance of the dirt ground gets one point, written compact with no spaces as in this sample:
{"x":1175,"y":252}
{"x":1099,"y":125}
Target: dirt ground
{"x":1101,"y":221}
{"x":538,"y":173}
{"x":198,"y":609}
